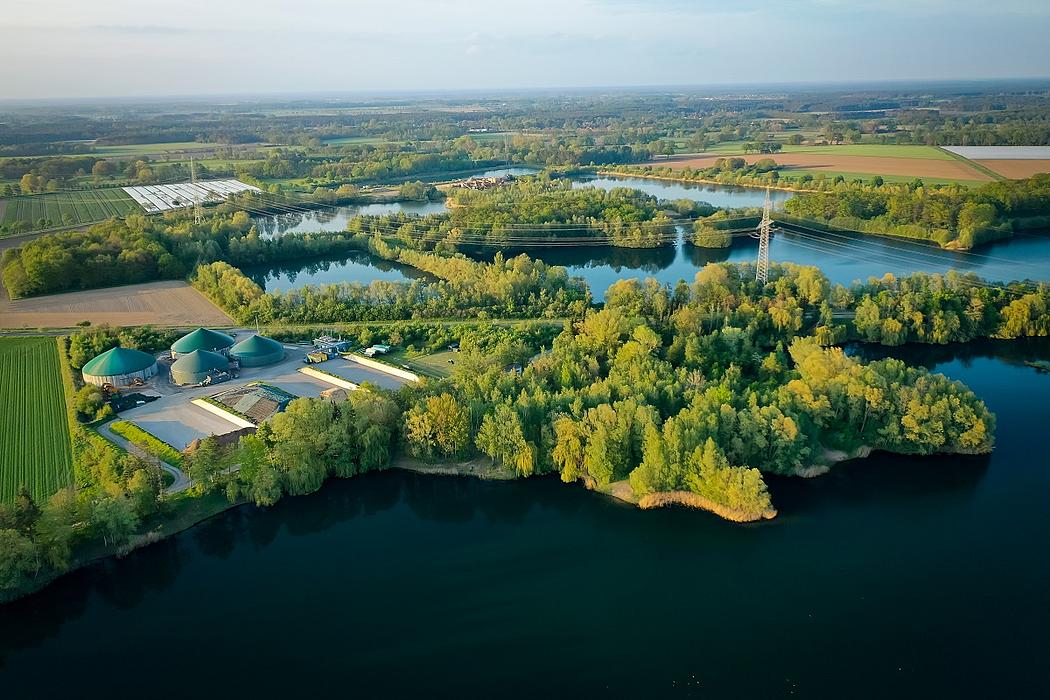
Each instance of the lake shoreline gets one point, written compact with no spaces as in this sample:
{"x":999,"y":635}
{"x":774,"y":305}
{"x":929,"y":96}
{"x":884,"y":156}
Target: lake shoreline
{"x":199,"y":512}
{"x":702,"y":181}
{"x":201,"y":509}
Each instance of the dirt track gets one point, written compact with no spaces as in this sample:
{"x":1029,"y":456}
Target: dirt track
{"x":170,"y":303}
{"x":1017,"y":169}
{"x":832,"y":163}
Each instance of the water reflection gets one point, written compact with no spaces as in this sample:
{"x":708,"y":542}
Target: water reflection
{"x":357,"y":266}
{"x":337,"y":218}
{"x":883,"y":480}
{"x":1007,"y":352}
{"x":722,"y":196}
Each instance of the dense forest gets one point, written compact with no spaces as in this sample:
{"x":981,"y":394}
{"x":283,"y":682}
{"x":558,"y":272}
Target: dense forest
{"x":658,"y":395}
{"x":953,"y":217}
{"x":538,"y":207}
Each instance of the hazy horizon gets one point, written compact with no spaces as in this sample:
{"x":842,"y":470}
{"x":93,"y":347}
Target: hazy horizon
{"x":63,"y":49}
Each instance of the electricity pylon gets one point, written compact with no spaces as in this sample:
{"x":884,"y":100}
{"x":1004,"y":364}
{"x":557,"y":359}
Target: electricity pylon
{"x":198,"y":210}
{"x":764,"y":232}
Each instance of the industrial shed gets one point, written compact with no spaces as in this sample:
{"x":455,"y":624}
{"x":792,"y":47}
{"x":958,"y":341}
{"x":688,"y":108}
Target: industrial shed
{"x":257,"y":351}
{"x":119,"y":367}
{"x":255,"y":402}
{"x":201,"y":339}
{"x":199,"y":366}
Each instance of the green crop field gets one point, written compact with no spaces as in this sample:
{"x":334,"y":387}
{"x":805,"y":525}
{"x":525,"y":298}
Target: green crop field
{"x":144,"y":149}
{"x":42,"y":211}
{"x":348,"y":140}
{"x":873,"y":149}
{"x":868,"y":177}
{"x":34,"y":435}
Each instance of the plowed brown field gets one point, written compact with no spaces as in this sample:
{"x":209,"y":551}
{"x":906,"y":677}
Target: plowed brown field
{"x":1017,"y":169}
{"x":170,"y":303}
{"x":833,"y":163}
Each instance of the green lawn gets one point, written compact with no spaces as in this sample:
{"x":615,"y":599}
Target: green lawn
{"x":345,"y":140}
{"x":35,"y":450}
{"x":43,"y":211}
{"x":868,"y":177}
{"x":143,"y":149}
{"x":874,"y":149}
{"x":213,"y":162}
{"x":430,"y":365}
{"x":726,"y":147}
{"x":489,"y":136}
{"x":849,"y":149}
{"x":147,"y":441}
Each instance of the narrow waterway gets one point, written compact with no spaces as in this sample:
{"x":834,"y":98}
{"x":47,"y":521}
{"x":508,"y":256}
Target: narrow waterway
{"x":844,"y":257}
{"x":722,"y":196}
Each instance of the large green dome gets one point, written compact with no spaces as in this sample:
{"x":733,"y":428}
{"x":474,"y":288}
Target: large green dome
{"x":202,"y":339}
{"x":118,"y":361}
{"x":257,"y":350}
{"x":200,"y":362}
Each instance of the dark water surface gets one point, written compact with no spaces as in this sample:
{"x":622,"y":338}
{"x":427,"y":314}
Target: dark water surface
{"x":890,"y":577}
{"x":356,"y":266}
{"x":336,"y":218}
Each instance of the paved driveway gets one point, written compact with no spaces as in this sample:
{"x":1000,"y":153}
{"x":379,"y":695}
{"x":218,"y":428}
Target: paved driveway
{"x":177,"y":422}
{"x":358,"y":374}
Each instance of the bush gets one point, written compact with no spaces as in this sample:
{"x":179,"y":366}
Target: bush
{"x":88,"y":402}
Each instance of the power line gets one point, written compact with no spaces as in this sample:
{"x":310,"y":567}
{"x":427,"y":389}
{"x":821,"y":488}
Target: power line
{"x":851,"y":252}
{"x":198,"y":214}
{"x":914,"y":257}
{"x":764,"y":231}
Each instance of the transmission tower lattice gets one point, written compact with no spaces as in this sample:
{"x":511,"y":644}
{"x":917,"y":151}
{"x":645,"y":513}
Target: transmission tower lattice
{"x":198,"y":210}
{"x":764,"y":232}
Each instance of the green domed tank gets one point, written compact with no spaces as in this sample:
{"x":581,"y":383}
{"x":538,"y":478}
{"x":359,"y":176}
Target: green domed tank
{"x":195,"y":367}
{"x":257,"y":351}
{"x":119,"y":367}
{"x":201,"y":339}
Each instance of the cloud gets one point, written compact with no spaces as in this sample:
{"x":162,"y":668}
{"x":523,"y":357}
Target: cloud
{"x":140,"y":29}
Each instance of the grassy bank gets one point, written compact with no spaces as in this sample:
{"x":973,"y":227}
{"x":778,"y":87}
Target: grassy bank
{"x":148,"y":442}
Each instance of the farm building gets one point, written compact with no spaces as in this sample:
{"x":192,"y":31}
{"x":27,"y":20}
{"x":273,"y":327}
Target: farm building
{"x":199,"y":366}
{"x":119,"y":367}
{"x":201,"y":339}
{"x":257,"y":351}
{"x":377,"y":350}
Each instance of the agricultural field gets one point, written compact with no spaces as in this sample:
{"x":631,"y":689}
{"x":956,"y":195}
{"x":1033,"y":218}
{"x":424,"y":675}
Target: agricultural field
{"x":1016,"y":169}
{"x":355,"y":140}
{"x":155,"y":149}
{"x":864,"y":161}
{"x":43,"y":211}
{"x":874,"y":150}
{"x":35,"y":450}
{"x":166,"y":303}
{"x":1013,"y":162}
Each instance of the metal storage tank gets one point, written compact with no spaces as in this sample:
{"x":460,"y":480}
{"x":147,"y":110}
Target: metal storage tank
{"x":201,"y":339}
{"x":119,"y":367}
{"x":197,"y":366}
{"x":257,"y":351}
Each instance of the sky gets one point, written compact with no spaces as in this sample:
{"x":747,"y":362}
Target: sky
{"x":116,"y":48}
